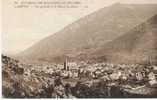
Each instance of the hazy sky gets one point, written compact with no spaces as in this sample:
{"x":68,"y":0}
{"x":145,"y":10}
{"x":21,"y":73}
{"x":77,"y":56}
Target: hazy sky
{"x":21,"y":28}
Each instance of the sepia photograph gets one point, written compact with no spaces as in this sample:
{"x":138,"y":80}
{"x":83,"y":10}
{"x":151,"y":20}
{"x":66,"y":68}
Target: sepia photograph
{"x":79,"y":49}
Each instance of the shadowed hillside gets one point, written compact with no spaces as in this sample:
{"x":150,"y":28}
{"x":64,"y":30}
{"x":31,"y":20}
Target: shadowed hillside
{"x":138,"y":45}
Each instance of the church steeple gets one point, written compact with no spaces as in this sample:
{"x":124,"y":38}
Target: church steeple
{"x":65,"y":64}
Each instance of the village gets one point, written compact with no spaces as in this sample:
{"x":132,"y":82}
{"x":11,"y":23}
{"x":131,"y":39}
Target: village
{"x":134,"y":73}
{"x":78,"y":80}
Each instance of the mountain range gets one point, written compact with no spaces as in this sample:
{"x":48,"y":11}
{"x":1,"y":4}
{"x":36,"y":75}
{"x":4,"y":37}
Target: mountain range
{"x":111,"y":31}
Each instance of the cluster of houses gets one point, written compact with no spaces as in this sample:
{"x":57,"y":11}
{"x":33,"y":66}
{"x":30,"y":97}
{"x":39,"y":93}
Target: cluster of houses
{"x":125,"y":73}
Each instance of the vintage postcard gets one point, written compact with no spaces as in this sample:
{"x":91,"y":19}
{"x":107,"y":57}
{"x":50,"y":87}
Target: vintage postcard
{"x":79,"y":49}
